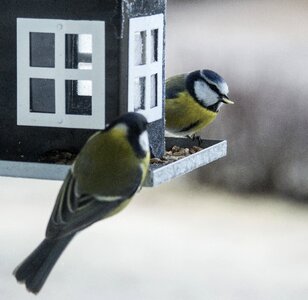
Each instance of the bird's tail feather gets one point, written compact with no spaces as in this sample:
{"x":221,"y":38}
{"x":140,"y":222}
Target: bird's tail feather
{"x":34,"y":270}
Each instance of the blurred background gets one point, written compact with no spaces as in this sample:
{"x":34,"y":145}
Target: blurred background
{"x":236,"y":229}
{"x":261,"y":49}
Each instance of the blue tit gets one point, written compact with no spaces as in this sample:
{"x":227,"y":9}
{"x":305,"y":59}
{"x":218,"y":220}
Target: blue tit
{"x":193,"y":101}
{"x":106,"y":174}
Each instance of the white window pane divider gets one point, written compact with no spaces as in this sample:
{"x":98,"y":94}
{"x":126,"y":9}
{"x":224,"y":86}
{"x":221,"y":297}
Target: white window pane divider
{"x":146,"y":24}
{"x":60,"y":74}
{"x":45,"y":73}
{"x":60,"y":79}
{"x":71,"y":74}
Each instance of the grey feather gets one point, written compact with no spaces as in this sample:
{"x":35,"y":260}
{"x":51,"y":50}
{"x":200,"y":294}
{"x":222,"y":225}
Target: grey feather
{"x":34,"y":270}
{"x":175,"y":85}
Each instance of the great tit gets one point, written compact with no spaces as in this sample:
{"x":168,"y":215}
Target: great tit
{"x":108,"y":171}
{"x":193,"y":101}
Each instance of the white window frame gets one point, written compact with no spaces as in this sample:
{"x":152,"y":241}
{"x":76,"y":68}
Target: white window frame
{"x":146,"y":24}
{"x":59,"y":73}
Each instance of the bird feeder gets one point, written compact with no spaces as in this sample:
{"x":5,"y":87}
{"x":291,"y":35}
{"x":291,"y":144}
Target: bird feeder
{"x":68,"y":68}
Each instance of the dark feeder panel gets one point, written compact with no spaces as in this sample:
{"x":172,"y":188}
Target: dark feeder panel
{"x":74,"y":66}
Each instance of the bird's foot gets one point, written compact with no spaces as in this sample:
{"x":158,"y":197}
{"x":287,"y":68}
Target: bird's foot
{"x":194,"y":138}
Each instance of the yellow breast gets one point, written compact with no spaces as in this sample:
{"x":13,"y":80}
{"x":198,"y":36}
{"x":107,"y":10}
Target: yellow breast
{"x":184,"y":116}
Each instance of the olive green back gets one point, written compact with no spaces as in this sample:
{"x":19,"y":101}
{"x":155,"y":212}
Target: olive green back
{"x":107,"y":166}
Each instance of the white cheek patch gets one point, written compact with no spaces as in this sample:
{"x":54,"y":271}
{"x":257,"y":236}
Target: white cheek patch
{"x":144,"y":141}
{"x":122,"y":127}
{"x":205,"y":94}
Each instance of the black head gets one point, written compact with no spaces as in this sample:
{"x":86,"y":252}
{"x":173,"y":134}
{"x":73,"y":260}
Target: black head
{"x":136,"y":128}
{"x":135,"y":122}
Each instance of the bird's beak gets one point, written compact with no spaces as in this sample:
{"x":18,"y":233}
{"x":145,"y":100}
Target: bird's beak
{"x":226,"y":100}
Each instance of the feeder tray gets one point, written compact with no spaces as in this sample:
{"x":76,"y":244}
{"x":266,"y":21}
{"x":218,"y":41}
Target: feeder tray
{"x":211,"y":150}
{"x":158,"y":172}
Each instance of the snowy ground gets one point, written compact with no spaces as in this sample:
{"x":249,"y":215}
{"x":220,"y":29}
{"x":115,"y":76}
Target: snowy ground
{"x":173,"y":242}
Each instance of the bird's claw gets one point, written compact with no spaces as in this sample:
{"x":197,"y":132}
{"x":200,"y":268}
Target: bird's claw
{"x":194,"y":138}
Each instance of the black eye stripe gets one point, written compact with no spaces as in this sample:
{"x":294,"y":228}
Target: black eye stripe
{"x":213,"y":88}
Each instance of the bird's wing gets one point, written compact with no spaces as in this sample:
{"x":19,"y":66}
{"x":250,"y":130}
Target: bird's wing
{"x":175,"y":85}
{"x":100,"y":181}
{"x":73,"y":212}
